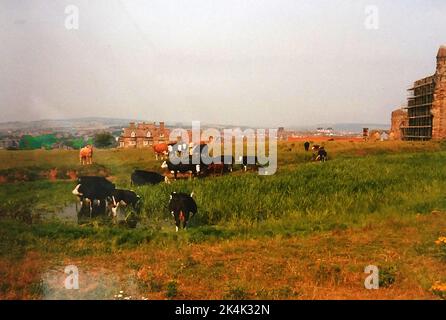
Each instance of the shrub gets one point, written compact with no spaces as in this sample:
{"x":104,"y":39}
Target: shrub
{"x":441,"y":242}
{"x":387,"y":275}
{"x":172,"y":289}
{"x":439,"y":289}
{"x":236,"y":293}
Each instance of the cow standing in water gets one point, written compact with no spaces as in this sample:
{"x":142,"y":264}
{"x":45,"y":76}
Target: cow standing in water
{"x":86,"y":155}
{"x":93,"y":192}
{"x":126,"y":198}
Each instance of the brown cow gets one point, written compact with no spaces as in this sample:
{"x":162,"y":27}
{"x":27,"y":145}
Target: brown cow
{"x":161,"y":150}
{"x":86,"y":155}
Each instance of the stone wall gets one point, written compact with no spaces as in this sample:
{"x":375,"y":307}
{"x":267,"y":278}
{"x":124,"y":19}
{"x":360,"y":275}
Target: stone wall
{"x":399,"y":119}
{"x":439,"y":103}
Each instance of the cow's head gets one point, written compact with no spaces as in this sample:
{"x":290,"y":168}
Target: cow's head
{"x":76,"y":191}
{"x":114,"y":210}
{"x":113,"y":205}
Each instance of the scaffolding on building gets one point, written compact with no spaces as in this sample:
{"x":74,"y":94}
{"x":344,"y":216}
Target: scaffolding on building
{"x":419,"y":109}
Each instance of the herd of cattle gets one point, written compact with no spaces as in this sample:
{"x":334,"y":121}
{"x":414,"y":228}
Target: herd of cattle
{"x":97,"y":195}
{"x":198,"y":162}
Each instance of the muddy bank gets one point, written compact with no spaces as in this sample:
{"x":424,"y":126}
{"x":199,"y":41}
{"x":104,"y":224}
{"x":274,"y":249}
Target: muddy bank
{"x":72,"y":214}
{"x":52,"y":174}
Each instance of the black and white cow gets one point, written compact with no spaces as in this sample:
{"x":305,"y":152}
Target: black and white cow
{"x":127,"y":198}
{"x":141,"y":177}
{"x":191,"y":168}
{"x":181,"y":205}
{"x":93,"y":191}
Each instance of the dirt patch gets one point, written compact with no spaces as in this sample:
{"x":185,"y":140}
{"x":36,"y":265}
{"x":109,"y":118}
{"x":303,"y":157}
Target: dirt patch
{"x":53,"y":174}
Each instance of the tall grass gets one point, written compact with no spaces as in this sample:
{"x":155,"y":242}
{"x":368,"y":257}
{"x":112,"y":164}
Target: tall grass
{"x":360,"y":180}
{"x":341,"y":188}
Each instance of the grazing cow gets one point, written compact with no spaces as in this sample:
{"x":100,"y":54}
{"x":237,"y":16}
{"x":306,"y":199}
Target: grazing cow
{"x":315,"y":150}
{"x":307,"y":146}
{"x":215,"y":168}
{"x":86,"y":155}
{"x":321,"y":155}
{"x":192,"y":169}
{"x":181,"y":205}
{"x":248,"y":161}
{"x":126,"y":198}
{"x":220,"y":165}
{"x":93,"y":191}
{"x":93,"y":187}
{"x":141,"y":177}
{"x":161,"y":150}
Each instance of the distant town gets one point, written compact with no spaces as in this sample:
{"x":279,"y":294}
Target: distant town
{"x":127,"y":133}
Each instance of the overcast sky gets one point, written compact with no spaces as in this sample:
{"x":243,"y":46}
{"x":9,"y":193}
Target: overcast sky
{"x":264,"y":63}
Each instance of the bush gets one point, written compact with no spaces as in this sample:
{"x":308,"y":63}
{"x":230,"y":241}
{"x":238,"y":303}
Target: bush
{"x":172,"y":289}
{"x":441,"y":243}
{"x":103,"y":140}
{"x":236,"y":293}
{"x":387,"y":276}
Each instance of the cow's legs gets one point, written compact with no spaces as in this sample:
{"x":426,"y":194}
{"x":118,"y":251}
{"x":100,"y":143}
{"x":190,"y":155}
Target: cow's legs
{"x":177,"y":222}
{"x":90,"y":208}
{"x":114,"y":208}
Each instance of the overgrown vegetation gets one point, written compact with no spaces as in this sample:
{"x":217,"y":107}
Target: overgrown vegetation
{"x":362,"y":188}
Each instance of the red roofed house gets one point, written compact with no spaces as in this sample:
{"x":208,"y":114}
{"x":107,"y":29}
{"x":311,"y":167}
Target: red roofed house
{"x":143,"y":135}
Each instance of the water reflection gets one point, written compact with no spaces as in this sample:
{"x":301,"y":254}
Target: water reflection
{"x":80,"y":214}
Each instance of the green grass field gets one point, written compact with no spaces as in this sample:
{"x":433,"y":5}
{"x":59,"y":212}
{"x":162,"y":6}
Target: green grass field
{"x":306,"y":232}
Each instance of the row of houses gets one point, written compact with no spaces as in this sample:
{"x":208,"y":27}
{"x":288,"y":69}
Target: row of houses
{"x":140,"y":135}
{"x":144,"y":134}
{"x":9,"y":143}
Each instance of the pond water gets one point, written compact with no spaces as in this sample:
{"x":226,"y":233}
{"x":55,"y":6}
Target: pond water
{"x":72,"y":213}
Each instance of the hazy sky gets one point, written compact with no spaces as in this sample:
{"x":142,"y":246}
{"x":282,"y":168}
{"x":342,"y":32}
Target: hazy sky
{"x":264,"y":63}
